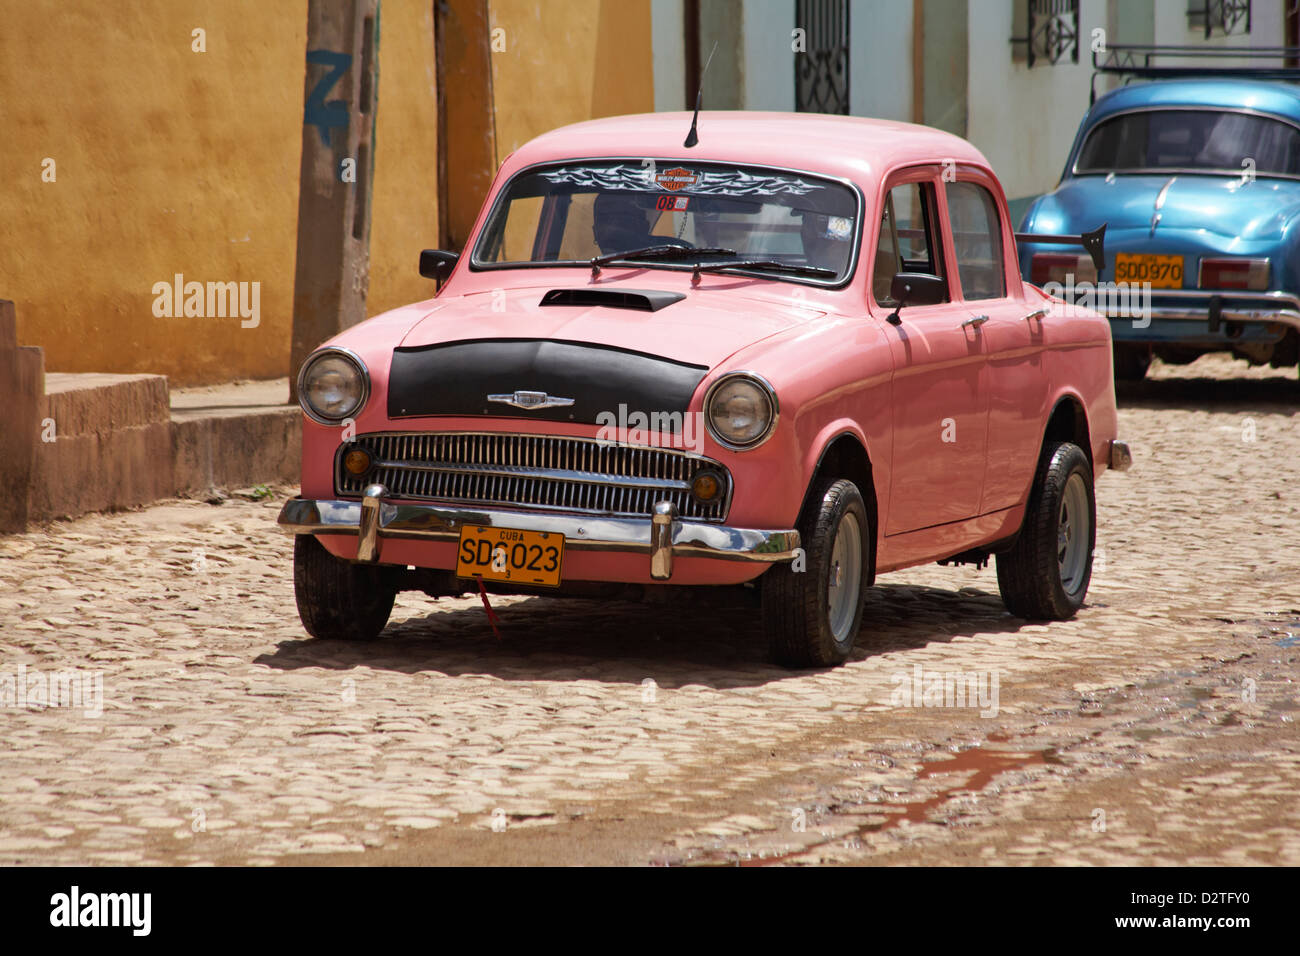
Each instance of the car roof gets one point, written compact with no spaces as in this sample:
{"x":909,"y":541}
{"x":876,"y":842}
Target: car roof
{"x":850,"y":147}
{"x":1280,"y":99}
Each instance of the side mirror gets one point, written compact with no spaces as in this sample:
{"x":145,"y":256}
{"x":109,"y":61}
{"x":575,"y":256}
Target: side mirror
{"x":915,"y":288}
{"x":436,"y":264}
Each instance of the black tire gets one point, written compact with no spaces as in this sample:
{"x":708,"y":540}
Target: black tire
{"x":1131,"y":362}
{"x":339,"y":600}
{"x":796,"y":605}
{"x":1036,"y":583}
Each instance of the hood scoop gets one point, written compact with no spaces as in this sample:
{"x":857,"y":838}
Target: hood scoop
{"x":639,"y":300}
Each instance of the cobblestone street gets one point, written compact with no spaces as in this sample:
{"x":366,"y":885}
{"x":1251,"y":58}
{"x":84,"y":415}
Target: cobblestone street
{"x":1156,"y":727}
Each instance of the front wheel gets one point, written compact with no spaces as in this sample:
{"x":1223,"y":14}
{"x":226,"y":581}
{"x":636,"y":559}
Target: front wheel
{"x":339,"y":600}
{"x":1045,"y":576}
{"x":812,"y":613}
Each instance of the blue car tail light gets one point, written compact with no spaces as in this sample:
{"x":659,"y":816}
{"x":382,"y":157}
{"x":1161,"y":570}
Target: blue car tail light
{"x":1059,"y":267}
{"x":1233,"y":273}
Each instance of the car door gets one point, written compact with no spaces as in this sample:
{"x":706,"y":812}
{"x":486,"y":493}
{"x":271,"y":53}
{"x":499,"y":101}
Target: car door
{"x":940,"y":404}
{"x":983,"y":247}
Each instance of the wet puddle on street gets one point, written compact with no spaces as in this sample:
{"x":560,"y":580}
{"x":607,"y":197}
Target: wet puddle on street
{"x":974,"y":769}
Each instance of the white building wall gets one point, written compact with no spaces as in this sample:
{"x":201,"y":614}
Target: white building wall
{"x":668,"y":49}
{"x":1267,"y":26}
{"x":880,"y":59}
{"x":767,"y":27}
{"x":1024,"y":120}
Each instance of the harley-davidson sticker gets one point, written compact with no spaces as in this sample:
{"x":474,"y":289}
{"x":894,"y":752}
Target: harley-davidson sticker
{"x":677,"y":178}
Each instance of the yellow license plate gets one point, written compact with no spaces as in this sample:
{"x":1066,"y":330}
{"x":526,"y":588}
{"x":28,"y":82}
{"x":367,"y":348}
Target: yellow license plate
{"x":1163,"y":272}
{"x":505,"y":554}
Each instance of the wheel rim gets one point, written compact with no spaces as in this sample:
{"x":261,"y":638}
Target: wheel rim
{"x":1073,"y":534}
{"x":844,"y":582}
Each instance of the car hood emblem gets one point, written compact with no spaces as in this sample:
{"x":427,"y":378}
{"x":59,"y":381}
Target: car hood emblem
{"x":530,"y":400}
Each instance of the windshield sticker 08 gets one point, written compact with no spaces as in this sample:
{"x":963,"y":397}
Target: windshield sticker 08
{"x":672,"y":203}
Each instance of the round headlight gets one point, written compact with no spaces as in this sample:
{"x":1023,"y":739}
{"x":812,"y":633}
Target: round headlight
{"x":333,"y":385}
{"x":740,"y":410}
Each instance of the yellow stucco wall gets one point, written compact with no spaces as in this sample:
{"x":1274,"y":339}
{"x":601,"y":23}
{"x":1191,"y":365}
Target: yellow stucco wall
{"x":169,"y":160}
{"x":404,"y":215}
{"x":566,"y":61}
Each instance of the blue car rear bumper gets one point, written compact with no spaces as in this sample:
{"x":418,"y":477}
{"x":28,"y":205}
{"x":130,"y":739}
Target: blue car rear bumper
{"x":1204,"y":320}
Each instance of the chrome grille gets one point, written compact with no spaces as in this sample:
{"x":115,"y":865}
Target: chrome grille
{"x":533,"y":471}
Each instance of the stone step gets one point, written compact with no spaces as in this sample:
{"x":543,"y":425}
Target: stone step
{"x":234,"y":436}
{"x":103,"y":443}
{"x":72,"y":443}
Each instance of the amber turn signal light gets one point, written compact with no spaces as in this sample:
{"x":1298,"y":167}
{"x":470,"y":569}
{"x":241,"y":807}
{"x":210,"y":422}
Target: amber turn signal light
{"x":705,"y":486}
{"x":356,"y":462}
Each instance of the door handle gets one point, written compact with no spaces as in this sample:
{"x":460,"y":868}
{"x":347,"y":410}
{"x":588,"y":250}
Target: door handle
{"x":1036,"y":315}
{"x":975,"y":321}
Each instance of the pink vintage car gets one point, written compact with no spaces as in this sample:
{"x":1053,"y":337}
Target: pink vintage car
{"x":791,"y":355}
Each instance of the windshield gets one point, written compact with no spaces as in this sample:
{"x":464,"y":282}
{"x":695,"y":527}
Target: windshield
{"x":1211,"y":140}
{"x":574,"y":212}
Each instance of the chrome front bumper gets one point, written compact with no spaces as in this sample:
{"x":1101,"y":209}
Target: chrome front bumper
{"x":660,"y":537}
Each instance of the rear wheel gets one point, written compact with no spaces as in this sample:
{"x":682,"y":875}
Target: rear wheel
{"x":812,"y":615}
{"x":339,"y":600}
{"x":1131,"y":362}
{"x":1045,"y":575}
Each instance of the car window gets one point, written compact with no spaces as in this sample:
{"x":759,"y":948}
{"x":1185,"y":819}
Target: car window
{"x":977,"y":240}
{"x":906,"y":240}
{"x":1219,"y":140}
{"x":569,"y":213}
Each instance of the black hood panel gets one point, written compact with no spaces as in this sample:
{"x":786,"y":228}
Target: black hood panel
{"x":456,"y":378}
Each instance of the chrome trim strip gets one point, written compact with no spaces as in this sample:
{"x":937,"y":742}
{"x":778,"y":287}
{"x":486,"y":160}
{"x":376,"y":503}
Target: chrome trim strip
{"x":1164,"y":191}
{"x":365,"y":385}
{"x":561,"y":474}
{"x":581,"y":532}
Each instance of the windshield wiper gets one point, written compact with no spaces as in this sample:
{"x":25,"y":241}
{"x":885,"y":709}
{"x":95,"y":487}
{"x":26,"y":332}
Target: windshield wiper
{"x":762,"y":264}
{"x":661,"y":251}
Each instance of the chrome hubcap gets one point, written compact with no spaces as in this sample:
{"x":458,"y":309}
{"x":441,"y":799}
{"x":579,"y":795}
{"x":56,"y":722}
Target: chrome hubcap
{"x":844,"y":582}
{"x":1073,"y":532}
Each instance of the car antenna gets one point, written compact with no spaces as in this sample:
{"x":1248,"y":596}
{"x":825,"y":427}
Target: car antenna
{"x":692,"y":137}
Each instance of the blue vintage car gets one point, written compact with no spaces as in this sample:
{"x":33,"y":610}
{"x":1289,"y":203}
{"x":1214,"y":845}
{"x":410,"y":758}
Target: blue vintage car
{"x":1198,"y":181}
